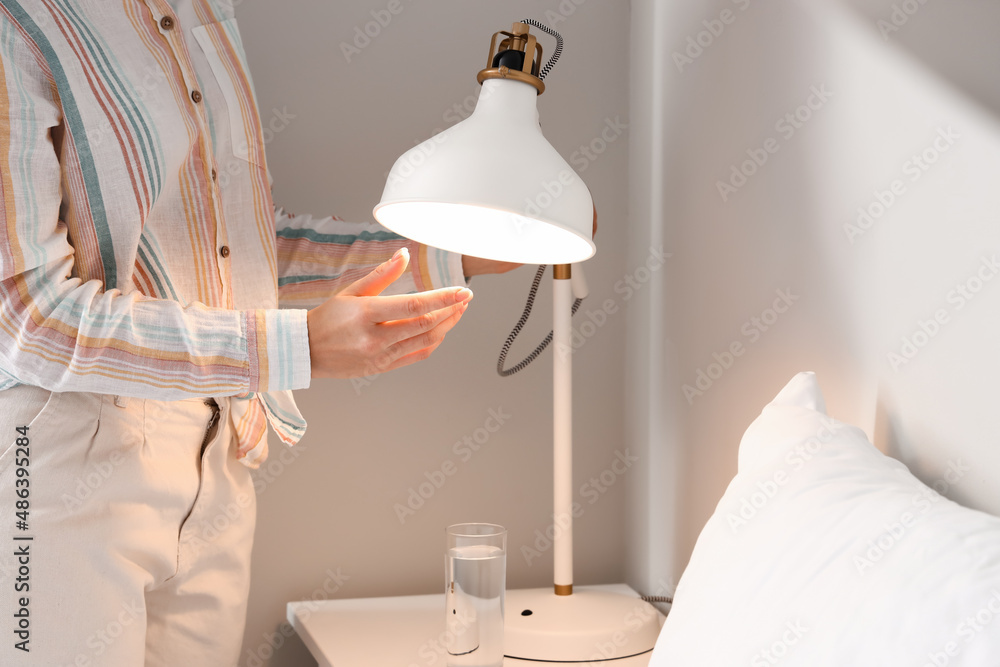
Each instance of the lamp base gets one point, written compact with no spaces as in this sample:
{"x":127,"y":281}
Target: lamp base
{"x":587,"y":626}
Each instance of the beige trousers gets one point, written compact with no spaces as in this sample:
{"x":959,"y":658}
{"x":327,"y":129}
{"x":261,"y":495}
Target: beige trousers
{"x":125,"y":531}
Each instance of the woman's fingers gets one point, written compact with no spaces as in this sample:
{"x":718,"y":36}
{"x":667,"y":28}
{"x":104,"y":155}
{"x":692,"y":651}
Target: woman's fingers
{"x":408,"y":306}
{"x":400,"y":330}
{"x":380,"y":277}
{"x":420,"y":351}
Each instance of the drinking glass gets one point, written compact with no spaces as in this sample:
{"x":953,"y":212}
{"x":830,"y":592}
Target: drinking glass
{"x":475,"y":577}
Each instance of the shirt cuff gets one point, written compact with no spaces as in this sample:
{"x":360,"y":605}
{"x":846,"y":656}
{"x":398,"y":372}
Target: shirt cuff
{"x":278,"y":347}
{"x":444,"y":268}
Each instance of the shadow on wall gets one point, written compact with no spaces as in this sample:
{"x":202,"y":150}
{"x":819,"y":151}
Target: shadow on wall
{"x":815,"y":152}
{"x":954,"y":38}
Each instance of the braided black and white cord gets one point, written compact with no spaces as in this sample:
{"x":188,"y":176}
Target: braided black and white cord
{"x":505,"y":372}
{"x":658,"y":599}
{"x":555,"y":54}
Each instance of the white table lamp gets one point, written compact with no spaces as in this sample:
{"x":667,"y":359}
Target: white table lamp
{"x":491,"y":186}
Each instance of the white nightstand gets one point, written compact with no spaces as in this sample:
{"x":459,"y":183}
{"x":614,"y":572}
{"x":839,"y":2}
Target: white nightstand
{"x":394,"y":631}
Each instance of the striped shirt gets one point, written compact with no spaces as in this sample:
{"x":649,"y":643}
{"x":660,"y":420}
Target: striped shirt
{"x":141,"y":252}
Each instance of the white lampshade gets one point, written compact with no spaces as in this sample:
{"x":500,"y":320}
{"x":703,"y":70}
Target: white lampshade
{"x":492,"y":186}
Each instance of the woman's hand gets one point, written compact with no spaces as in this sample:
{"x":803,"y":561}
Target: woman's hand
{"x":358,"y":333}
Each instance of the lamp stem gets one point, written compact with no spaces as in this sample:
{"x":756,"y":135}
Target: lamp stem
{"x":562,"y":429}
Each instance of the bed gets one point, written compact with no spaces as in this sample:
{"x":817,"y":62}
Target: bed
{"x":823,"y":551}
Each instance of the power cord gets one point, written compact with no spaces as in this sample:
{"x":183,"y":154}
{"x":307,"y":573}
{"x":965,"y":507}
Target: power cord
{"x":662,"y":599}
{"x":555,"y":54}
{"x":533,"y":292}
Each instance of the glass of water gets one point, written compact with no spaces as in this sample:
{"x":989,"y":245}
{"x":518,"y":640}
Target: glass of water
{"x":475,"y":577}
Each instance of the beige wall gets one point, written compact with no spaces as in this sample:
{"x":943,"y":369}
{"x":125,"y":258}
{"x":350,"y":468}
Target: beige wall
{"x":329,"y":507}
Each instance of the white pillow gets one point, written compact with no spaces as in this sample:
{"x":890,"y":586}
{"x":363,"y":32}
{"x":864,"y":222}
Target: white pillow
{"x":825,"y":552}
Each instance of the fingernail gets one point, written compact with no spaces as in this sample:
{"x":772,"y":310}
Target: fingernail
{"x":464,"y":294}
{"x":402,"y":252}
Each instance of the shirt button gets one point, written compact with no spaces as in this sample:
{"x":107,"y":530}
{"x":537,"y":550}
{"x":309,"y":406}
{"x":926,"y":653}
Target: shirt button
{"x":196,"y":96}
{"x":224,"y":251}
{"x":167,"y":23}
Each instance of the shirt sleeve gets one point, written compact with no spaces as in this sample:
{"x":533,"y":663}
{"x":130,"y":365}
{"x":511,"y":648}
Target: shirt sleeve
{"x":318,"y":257}
{"x":65,"y":334}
